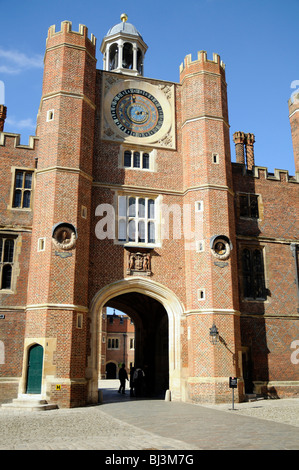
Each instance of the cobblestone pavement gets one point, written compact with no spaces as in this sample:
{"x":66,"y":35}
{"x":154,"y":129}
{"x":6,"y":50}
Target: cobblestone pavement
{"x":122,"y":423}
{"x":76,"y":429}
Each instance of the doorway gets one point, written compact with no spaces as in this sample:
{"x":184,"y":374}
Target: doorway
{"x":151,"y":338}
{"x":247,"y":370}
{"x":111,"y":370}
{"x":123,"y":295}
{"x":35,"y":369}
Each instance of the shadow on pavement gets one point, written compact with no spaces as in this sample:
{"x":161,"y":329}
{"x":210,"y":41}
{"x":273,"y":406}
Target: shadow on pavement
{"x":108,"y":393}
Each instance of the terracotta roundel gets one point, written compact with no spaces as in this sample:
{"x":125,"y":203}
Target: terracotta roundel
{"x":221,"y":248}
{"x":137,"y":113}
{"x":64,"y":237}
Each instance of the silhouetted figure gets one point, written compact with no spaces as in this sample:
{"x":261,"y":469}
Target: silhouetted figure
{"x":132,"y":370}
{"x":138,"y":380}
{"x":123,"y":376}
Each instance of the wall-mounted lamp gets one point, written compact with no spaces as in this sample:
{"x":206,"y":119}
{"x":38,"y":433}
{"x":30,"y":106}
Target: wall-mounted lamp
{"x":214,"y":334}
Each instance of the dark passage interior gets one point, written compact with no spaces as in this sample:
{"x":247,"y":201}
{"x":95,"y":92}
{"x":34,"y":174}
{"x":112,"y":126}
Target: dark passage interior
{"x":151,"y":337}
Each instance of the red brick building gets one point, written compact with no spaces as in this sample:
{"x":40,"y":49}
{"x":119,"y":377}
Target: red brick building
{"x":127,"y":197}
{"x":117,"y":339}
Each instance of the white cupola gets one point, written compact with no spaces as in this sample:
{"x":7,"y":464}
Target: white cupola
{"x":123,"y":49}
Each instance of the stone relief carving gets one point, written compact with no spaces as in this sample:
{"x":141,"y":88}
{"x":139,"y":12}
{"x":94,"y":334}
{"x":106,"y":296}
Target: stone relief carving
{"x":166,"y":141}
{"x":167,"y":91}
{"x":110,"y":81}
{"x":139,"y":263}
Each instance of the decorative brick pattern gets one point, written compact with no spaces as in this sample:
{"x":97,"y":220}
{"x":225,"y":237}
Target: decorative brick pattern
{"x":76,"y":168}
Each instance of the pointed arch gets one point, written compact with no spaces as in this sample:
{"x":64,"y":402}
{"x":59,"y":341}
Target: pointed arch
{"x":174,"y":310}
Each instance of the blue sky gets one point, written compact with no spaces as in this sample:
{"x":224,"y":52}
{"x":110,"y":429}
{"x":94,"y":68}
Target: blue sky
{"x":256,"y":39}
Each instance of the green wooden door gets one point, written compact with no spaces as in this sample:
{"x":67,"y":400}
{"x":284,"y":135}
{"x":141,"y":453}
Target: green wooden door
{"x":35,"y":368}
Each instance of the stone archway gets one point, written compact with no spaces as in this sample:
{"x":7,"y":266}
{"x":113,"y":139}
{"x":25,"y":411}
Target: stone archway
{"x":151,"y":333}
{"x":174,"y":310}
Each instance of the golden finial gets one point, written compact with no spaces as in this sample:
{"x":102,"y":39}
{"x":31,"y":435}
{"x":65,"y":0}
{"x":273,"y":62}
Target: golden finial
{"x":124,"y":17}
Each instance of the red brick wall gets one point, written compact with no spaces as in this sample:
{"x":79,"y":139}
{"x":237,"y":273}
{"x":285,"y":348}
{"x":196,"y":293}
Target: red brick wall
{"x":17,"y":222}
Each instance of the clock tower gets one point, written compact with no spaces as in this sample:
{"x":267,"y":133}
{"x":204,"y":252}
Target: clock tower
{"x":155,"y":154}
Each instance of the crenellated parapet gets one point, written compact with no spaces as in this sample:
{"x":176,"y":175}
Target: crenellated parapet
{"x":261,"y":172}
{"x":66,"y":29}
{"x":69,"y":68}
{"x":15,"y":139}
{"x":67,"y":37}
{"x":202,"y":62}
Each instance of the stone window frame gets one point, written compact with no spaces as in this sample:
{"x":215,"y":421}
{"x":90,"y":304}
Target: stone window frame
{"x":24,"y":170}
{"x":50,"y":115}
{"x":200,"y":246}
{"x":41,"y":244}
{"x":215,"y":158}
{"x":199,"y":206}
{"x":134,"y":153}
{"x":11,"y":261}
{"x":249,"y":196}
{"x":201,"y":294}
{"x":127,"y":218}
{"x":113,"y":343}
{"x":252,"y":248}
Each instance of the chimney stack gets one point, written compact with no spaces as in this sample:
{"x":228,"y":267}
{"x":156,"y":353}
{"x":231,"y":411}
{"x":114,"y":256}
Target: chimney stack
{"x":244,"y":142}
{"x":3,"y":110}
{"x":250,"y":139}
{"x":239,"y":139}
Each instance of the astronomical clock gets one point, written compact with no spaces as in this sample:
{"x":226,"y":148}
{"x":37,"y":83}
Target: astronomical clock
{"x":138,"y":112}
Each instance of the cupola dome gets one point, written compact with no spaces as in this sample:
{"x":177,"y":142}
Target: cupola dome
{"x":123,"y":49}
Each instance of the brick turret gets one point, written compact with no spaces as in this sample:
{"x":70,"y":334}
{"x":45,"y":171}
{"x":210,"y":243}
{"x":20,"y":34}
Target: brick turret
{"x":61,"y":225}
{"x":294,"y":121}
{"x":211,"y":277}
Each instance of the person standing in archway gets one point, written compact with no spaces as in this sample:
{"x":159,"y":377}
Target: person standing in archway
{"x":123,"y":376}
{"x":138,"y":380}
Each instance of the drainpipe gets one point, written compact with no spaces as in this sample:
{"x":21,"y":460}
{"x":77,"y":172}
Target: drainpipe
{"x":294,"y":253}
{"x":124,"y":361}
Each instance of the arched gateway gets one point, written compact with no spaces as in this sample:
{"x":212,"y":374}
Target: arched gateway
{"x":174,"y":310}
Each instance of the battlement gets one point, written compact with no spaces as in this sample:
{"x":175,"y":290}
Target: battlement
{"x":66,"y":28}
{"x":201,"y":59}
{"x":261,"y":172}
{"x":16,"y":138}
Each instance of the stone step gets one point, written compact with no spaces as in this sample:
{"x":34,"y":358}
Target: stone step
{"x":29,"y":404}
{"x":253,"y":397}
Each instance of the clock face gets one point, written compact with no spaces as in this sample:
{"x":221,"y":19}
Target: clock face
{"x":137,"y":113}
